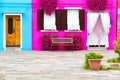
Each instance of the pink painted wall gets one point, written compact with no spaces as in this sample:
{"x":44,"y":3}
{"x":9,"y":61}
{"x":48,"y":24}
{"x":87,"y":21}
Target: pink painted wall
{"x":111,"y":5}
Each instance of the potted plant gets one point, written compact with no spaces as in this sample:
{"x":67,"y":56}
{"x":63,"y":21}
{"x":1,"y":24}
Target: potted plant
{"x":117,"y":47}
{"x":93,"y":61}
{"x":114,"y":62}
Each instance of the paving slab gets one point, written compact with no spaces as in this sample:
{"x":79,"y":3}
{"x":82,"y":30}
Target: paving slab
{"x":52,"y":65}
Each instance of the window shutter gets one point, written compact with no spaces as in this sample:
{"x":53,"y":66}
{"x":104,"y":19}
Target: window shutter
{"x":58,"y":22}
{"x":64,"y":20}
{"x":61,"y":19}
{"x":40,"y":19}
{"x":82,"y":19}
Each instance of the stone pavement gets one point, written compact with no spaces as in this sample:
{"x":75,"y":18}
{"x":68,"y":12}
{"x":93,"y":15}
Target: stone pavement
{"x":51,"y":65}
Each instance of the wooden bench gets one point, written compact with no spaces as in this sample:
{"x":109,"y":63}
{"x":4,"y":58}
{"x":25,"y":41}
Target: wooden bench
{"x":62,"y":41}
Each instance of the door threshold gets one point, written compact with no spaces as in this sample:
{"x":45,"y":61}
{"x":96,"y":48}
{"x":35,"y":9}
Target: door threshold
{"x":12,"y":49}
{"x":97,"y":48}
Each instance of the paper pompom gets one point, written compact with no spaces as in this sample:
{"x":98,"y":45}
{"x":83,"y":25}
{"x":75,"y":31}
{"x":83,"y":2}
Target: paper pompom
{"x":97,"y":5}
{"x":48,"y":6}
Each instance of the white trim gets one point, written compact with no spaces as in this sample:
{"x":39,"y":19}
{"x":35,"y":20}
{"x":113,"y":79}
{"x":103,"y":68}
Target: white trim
{"x":73,"y":30}
{"x":4,"y":29}
{"x":118,"y":11}
{"x":4,"y":32}
{"x":20,"y":31}
{"x":49,"y":30}
{"x":73,"y":8}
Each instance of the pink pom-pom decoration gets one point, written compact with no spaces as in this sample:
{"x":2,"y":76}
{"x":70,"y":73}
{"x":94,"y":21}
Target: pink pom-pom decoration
{"x":48,"y":6}
{"x":97,"y":5}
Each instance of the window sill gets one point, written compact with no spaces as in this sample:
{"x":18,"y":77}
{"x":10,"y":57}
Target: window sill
{"x":49,"y":30}
{"x":73,"y":30}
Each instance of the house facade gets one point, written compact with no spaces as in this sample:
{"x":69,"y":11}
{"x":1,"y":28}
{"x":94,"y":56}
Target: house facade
{"x":15,"y":19}
{"x":73,"y":22}
{"x":118,"y":19}
{"x":58,"y":24}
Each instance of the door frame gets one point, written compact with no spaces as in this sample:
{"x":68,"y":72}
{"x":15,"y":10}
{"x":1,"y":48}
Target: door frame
{"x":4,"y":29}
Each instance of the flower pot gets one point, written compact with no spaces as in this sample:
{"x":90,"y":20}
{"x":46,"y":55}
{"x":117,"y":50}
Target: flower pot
{"x":94,"y":64}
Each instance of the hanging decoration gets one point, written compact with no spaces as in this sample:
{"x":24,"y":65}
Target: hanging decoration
{"x":97,"y":5}
{"x":48,"y":6}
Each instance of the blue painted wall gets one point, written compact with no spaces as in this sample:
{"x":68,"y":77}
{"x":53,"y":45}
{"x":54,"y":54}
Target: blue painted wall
{"x":15,"y":1}
{"x":18,"y":6}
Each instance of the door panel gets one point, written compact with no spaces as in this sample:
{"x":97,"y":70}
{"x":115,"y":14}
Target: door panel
{"x":17,"y":30}
{"x":12,"y":31}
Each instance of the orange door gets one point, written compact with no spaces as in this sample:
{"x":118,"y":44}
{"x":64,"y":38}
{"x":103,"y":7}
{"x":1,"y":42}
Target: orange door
{"x":12,"y":31}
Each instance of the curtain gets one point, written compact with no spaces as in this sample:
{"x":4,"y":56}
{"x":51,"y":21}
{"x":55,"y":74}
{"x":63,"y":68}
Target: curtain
{"x":98,"y":26}
{"x":98,"y":29}
{"x":73,"y":20}
{"x":105,"y":18}
{"x":105,"y":21}
{"x":49,"y":21}
{"x":91,"y":21}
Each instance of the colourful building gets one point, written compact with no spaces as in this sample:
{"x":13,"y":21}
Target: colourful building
{"x":118,"y":20}
{"x":15,"y":20}
{"x":73,"y":25}
{"x":64,"y":23}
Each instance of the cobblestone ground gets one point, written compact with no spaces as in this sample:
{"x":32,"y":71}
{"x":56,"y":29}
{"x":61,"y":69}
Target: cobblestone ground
{"x":51,"y":65}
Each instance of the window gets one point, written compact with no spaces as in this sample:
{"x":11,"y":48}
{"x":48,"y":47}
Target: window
{"x":10,"y":25}
{"x":73,"y":19}
{"x":118,"y":21}
{"x":61,"y":20}
{"x":49,"y":21}
{"x":64,"y":18}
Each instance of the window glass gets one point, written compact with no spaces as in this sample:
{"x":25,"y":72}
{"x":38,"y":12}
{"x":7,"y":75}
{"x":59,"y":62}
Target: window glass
{"x":10,"y":25}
